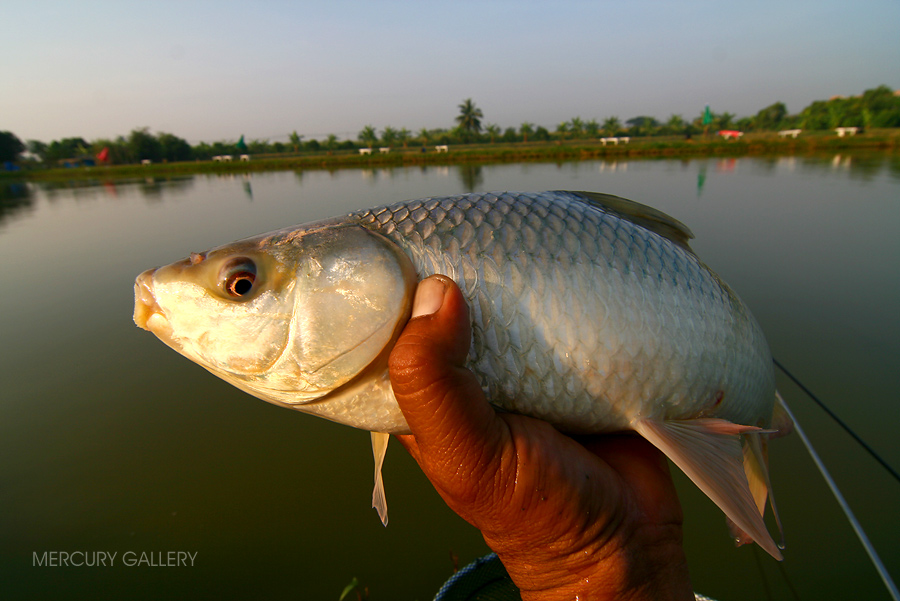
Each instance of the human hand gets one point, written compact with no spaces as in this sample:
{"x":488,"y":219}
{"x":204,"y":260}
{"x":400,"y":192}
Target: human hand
{"x":591,"y":519}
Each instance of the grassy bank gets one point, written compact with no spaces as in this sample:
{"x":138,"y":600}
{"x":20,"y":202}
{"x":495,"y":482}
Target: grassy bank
{"x":567,"y":150}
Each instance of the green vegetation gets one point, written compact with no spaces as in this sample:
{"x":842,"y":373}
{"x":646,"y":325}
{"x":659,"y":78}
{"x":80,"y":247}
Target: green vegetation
{"x":876,"y":112}
{"x":469,"y":121}
{"x":10,"y":146}
{"x":500,"y":152}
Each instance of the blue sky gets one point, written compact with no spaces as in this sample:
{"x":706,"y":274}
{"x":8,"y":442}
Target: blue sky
{"x":215,"y":70}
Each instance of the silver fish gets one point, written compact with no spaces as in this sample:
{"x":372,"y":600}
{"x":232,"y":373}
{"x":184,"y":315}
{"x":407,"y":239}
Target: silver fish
{"x":589,"y":311}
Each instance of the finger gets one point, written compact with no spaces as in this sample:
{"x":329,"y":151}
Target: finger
{"x":453,"y":425}
{"x":436,"y":393}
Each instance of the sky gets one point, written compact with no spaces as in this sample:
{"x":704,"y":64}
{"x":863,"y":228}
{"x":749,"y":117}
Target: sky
{"x":213,"y":71}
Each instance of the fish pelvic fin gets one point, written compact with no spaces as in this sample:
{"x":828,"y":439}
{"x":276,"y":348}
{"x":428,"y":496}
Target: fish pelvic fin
{"x":781,"y":419}
{"x":756,"y":466}
{"x":379,"y":448}
{"x":709,"y":452}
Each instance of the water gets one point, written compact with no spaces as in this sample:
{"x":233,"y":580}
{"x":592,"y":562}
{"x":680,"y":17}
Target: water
{"x":111,"y":442}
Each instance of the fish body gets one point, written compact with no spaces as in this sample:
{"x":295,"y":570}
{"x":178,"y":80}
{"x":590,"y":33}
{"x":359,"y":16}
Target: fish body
{"x":588,"y":311}
{"x":584,"y":318}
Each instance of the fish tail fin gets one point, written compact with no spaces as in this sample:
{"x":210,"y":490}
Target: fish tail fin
{"x":379,"y":449}
{"x":709,"y":452}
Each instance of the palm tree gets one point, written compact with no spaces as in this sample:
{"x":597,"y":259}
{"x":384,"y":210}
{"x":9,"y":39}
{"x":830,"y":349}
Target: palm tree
{"x":295,"y":140}
{"x":389,"y":136}
{"x":611,"y":126}
{"x":641,"y":125}
{"x":368,"y":136}
{"x":576,"y":127}
{"x":526,"y":129}
{"x":469,"y":118}
{"x":425,"y":136}
{"x":404,"y":136}
{"x":592,"y":128}
{"x":493,"y":130}
{"x":331,"y":142}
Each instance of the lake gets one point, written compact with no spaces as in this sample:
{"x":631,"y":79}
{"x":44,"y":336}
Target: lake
{"x":112,"y":442}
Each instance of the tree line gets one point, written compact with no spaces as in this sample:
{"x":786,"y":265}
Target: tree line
{"x":875,"y":108}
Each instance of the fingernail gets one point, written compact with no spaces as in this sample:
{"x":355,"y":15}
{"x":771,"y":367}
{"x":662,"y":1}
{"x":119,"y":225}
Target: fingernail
{"x":429,"y":297}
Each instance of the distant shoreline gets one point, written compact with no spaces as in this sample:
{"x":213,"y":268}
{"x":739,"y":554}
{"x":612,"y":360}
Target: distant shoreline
{"x":567,"y":150}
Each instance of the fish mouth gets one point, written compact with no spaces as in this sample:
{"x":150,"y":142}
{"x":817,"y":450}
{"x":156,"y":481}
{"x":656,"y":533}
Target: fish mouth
{"x":147,"y":313}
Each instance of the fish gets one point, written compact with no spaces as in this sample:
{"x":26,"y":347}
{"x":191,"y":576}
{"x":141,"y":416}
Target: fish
{"x":588,"y":310}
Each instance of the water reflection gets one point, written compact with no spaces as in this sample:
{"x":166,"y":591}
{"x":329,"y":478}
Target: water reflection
{"x":155,"y":188}
{"x":861,"y":166}
{"x":894,"y":165}
{"x":152,"y":188}
{"x":16,"y":198}
{"x":726,"y":165}
{"x":788,"y":163}
{"x":856,"y":166}
{"x":471,"y":177}
{"x":768,"y":164}
{"x":613,"y":166}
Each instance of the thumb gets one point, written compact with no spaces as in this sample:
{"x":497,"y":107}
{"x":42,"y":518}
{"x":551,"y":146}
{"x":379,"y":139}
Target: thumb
{"x":451,"y":422}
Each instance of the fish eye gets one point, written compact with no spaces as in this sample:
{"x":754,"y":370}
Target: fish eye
{"x":238,"y":276}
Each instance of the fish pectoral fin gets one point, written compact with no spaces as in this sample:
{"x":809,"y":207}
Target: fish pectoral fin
{"x":379,"y":448}
{"x":709,"y":452}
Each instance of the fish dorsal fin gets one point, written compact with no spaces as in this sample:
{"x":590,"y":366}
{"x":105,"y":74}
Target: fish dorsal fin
{"x":647,"y":217}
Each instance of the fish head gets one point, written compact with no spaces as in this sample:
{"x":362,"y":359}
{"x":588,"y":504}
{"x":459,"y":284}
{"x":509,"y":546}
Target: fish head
{"x":288,"y":316}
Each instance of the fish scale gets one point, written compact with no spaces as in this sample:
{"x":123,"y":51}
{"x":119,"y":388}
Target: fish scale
{"x":615,"y":321}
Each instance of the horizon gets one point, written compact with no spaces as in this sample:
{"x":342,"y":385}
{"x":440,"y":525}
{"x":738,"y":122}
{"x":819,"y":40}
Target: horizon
{"x":213,"y":71}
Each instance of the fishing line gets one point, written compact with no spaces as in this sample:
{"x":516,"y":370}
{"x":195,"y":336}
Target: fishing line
{"x":839,"y":421}
{"x":784,"y":575}
{"x":765,"y":581}
{"x":857,"y":527}
{"x":762,"y":573}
